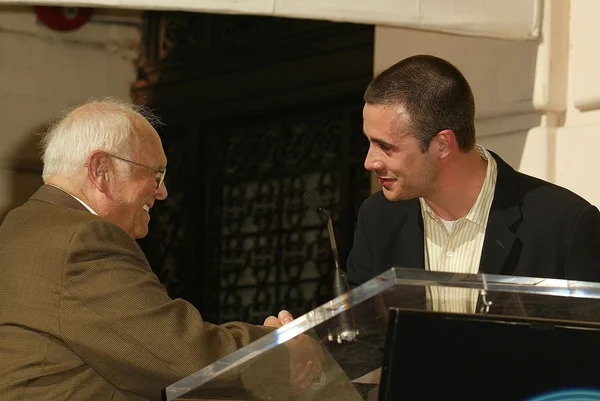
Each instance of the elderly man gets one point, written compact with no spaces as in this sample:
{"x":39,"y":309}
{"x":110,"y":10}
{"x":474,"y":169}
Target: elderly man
{"x":82,"y":315}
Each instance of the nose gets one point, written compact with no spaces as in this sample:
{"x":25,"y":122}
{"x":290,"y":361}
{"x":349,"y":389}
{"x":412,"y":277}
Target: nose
{"x":372,"y":162}
{"x":161,"y":193}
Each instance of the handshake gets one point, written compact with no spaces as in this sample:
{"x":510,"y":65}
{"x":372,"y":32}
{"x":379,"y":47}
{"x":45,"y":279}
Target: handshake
{"x":306,"y":356}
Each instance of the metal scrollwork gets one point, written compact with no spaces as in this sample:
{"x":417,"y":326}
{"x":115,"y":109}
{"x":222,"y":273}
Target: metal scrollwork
{"x":290,"y":259}
{"x":255,"y":132}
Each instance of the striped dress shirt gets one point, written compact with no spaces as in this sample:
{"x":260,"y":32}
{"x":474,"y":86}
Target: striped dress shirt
{"x":456,"y":246}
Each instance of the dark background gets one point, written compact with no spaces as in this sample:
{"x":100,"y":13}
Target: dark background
{"x":255,"y":111}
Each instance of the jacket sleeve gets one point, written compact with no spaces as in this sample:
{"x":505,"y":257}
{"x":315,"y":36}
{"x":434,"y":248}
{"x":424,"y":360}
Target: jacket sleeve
{"x":583,"y":248}
{"x":118,"y":318}
{"x":360,"y":259}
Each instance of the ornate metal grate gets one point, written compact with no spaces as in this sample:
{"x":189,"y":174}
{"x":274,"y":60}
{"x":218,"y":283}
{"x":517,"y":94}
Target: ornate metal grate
{"x":252,"y":121}
{"x":274,"y":252}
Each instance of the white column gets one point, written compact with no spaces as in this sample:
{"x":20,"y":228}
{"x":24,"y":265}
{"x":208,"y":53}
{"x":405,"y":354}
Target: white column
{"x":577,"y":141}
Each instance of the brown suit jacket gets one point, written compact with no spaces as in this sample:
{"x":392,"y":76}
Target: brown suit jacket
{"x":82,"y":315}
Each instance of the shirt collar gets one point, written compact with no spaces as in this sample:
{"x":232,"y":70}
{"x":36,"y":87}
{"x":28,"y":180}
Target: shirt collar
{"x":76,"y":198}
{"x":480,"y":210}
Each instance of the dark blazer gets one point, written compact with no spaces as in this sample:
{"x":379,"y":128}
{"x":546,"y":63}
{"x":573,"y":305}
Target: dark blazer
{"x":535,"y":229}
{"x":83,"y":317}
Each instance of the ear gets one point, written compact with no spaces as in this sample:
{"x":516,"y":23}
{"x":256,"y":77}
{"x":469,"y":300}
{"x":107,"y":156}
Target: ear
{"x":99,"y":170}
{"x":445,"y":143}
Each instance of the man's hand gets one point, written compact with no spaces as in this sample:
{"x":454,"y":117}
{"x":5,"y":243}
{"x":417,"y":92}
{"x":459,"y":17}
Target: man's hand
{"x":284,"y":317}
{"x":306,"y":356}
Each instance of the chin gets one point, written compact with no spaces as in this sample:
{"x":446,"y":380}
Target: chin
{"x":140,"y":233}
{"x":397,"y":197}
{"x":391,"y":196}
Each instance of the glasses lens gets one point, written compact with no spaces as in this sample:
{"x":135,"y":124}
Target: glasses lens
{"x":162,"y":178}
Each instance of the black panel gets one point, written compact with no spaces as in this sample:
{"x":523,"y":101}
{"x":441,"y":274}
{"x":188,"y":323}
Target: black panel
{"x":437,"y":356}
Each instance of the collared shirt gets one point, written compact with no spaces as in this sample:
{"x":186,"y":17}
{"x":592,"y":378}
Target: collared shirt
{"x":458,"y":250}
{"x":76,"y":198}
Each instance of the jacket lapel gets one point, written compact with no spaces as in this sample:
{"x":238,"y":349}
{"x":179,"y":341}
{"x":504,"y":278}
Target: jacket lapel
{"x":412,"y":245}
{"x":505,"y":216}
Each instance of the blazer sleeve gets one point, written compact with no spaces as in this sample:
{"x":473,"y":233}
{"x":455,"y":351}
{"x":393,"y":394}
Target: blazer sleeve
{"x":583,"y":248}
{"x":118,"y":318}
{"x":360,"y":259}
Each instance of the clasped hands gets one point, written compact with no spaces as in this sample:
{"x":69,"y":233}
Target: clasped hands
{"x":306,"y":356}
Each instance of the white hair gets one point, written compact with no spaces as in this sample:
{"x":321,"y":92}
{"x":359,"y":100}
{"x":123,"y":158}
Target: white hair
{"x":105,"y":124}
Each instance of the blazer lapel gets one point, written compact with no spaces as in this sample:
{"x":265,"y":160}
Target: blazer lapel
{"x":411,"y":250}
{"x":505,"y":216}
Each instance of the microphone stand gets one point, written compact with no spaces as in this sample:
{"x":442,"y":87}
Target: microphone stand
{"x":347,"y":330}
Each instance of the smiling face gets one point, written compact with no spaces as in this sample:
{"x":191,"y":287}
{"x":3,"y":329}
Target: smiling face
{"x":395,"y":155}
{"x":135,"y":192}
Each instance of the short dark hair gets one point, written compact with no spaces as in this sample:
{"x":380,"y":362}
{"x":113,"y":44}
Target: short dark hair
{"x":433,"y":92}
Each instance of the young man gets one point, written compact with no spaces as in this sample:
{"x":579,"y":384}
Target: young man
{"x":449,"y":205}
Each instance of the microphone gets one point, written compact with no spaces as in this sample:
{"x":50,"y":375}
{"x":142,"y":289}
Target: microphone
{"x":346,"y":331}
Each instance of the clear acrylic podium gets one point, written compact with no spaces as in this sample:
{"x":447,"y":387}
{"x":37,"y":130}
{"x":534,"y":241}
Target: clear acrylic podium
{"x":408,"y":332}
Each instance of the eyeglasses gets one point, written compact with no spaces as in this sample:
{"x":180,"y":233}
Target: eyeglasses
{"x":159,"y":180}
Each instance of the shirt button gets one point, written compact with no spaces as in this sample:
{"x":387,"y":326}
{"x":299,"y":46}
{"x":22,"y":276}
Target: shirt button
{"x":450,"y":253}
